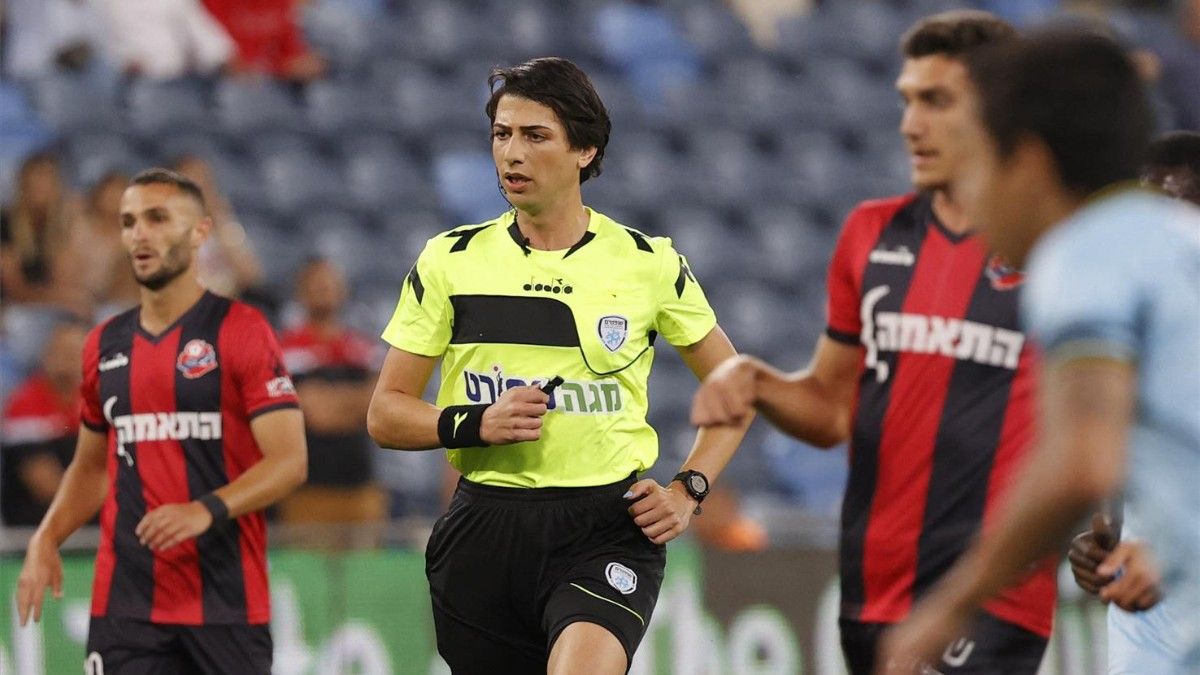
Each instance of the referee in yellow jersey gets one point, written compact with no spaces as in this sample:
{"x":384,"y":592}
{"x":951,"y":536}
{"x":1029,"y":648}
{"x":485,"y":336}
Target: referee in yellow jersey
{"x":551,"y":554}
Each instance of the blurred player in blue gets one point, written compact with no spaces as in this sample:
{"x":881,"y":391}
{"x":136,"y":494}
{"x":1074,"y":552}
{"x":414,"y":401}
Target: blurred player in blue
{"x":1119,"y":566}
{"x":1113,"y":299}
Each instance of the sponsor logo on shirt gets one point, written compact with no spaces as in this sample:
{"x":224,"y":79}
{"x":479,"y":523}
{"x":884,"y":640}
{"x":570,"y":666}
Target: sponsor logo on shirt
{"x":118,"y":360}
{"x":197,"y":359}
{"x":597,"y":397}
{"x":920,"y":334}
{"x":280,"y":386}
{"x":900,"y":256}
{"x":161,"y":426}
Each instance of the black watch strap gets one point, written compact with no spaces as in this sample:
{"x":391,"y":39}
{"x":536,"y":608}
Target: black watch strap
{"x":696,"y":485}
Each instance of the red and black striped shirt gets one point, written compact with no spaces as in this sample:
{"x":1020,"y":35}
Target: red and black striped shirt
{"x":177,"y":409}
{"x":943,"y":412}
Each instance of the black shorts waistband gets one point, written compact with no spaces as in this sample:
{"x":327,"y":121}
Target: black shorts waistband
{"x":496,"y":493}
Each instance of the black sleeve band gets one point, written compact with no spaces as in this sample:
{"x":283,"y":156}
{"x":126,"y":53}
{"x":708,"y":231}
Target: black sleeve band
{"x":844,"y":338}
{"x":216,"y":506}
{"x":459,"y":426}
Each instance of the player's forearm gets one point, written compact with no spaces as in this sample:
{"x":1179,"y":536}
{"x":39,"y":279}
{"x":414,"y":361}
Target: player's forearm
{"x":265,"y":483}
{"x":802,"y":407}
{"x":79,"y":498}
{"x":398,"y":421}
{"x":714,"y":447}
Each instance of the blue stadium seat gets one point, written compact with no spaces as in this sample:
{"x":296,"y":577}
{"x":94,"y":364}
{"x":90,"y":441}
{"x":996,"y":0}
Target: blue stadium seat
{"x":710,"y":242}
{"x":794,"y":249}
{"x":630,"y":34}
{"x":338,"y":107}
{"x":381,"y":179}
{"x":173,"y":107}
{"x":91,"y":155}
{"x":205,"y":145}
{"x":295,"y":181}
{"x":466,"y":183}
{"x":72,"y":103}
{"x":268,"y":143}
{"x":338,"y":235}
{"x":730,"y":169}
{"x":335,"y":30}
{"x":245,"y":107}
{"x":714,"y":31}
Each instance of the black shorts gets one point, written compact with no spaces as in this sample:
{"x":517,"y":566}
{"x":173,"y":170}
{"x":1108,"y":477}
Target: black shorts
{"x":117,"y":646}
{"x":510,"y":568}
{"x":993,"y":647}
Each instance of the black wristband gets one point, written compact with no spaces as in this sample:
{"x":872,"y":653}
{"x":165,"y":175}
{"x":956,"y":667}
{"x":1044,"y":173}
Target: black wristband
{"x":216,"y":506}
{"x":459,"y":426}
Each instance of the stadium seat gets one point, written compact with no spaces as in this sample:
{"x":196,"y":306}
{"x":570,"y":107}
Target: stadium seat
{"x":467,"y":186}
{"x":156,"y":108}
{"x":714,"y":31}
{"x":72,"y":103}
{"x":335,"y":30}
{"x":245,"y":107}
{"x":295,"y":181}
{"x":381,"y":179}
{"x":91,"y":155}
{"x":338,"y":107}
{"x":794,"y":250}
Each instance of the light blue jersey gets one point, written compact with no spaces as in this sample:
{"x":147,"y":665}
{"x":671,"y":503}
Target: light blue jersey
{"x":1121,"y":279}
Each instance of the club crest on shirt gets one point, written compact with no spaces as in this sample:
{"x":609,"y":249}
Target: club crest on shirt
{"x":197,"y":359}
{"x":1004,"y":277}
{"x":613,"y":330}
{"x":621,"y":578}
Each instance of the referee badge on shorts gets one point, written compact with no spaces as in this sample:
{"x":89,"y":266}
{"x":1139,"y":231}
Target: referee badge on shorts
{"x":621,"y":578}
{"x":613,"y":329}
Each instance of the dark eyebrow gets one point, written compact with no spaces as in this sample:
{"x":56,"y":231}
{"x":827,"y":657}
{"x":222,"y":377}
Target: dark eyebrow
{"x":531,"y":127}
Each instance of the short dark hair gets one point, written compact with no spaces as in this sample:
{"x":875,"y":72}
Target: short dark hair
{"x":564,"y":88}
{"x":161,"y":176}
{"x":1078,"y":92}
{"x":955,"y":33}
{"x":1175,"y":149}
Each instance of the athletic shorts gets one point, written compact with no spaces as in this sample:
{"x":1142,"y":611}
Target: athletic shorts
{"x":993,"y":647}
{"x":510,"y":568}
{"x":117,"y":646}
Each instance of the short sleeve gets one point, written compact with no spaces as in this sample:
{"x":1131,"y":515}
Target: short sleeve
{"x":91,"y":413}
{"x":1083,"y":297}
{"x":421,"y":322}
{"x":843,"y":287}
{"x":684,"y":316}
{"x":258,"y":368}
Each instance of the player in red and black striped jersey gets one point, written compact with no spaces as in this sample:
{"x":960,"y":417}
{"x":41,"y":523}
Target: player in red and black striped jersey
{"x":925,"y":371}
{"x":190,"y":428}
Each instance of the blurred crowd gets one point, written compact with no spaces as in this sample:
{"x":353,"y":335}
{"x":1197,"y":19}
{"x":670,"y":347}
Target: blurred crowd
{"x":63,"y":268}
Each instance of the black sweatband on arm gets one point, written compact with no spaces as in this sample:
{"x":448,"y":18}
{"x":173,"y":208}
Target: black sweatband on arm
{"x":459,"y":426}
{"x":216,"y":506}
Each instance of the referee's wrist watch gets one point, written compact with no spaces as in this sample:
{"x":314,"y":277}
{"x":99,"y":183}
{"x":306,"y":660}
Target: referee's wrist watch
{"x":696,"y":485}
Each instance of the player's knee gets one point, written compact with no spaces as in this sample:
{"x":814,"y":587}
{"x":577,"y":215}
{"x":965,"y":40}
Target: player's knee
{"x":587,"y":647}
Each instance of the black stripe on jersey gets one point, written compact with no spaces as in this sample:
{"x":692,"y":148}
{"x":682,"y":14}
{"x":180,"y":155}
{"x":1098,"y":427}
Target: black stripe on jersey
{"x":907,"y":228}
{"x":464,"y":237}
{"x":222,"y":585}
{"x":682,"y":279}
{"x":414,"y":280}
{"x":516,"y":320}
{"x":640,"y":240}
{"x":965,"y":446}
{"x":132,"y":590}
{"x":583,"y":241}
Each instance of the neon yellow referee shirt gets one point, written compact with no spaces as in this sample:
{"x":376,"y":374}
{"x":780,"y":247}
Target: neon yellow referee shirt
{"x":503,"y":315}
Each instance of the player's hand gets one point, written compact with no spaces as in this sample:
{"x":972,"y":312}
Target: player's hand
{"x":1136,"y":587}
{"x":515,"y":417}
{"x":920,"y":640}
{"x":727,"y":395}
{"x":42,"y":568}
{"x":172,"y":524}
{"x":1088,"y":550}
{"x":663,"y":513}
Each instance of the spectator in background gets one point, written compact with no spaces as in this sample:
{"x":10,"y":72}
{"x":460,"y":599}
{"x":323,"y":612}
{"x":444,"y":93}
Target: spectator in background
{"x":37,"y":265}
{"x":268,"y":38}
{"x":334,"y":371}
{"x":227,"y":264}
{"x":99,"y":239}
{"x":165,"y":39}
{"x":41,"y":422}
{"x":42,"y":36}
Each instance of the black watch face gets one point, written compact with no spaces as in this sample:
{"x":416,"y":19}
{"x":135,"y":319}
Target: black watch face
{"x":698,"y":484}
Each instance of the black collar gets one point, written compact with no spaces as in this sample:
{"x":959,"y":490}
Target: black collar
{"x":521,"y":240}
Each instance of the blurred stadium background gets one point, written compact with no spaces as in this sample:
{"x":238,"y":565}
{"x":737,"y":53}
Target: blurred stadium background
{"x":745,"y":130}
